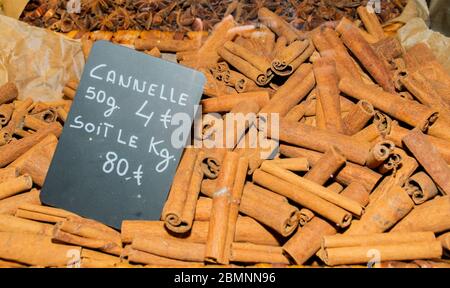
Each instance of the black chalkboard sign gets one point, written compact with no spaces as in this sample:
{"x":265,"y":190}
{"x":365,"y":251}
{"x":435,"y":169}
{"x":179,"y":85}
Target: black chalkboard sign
{"x":124,"y":136}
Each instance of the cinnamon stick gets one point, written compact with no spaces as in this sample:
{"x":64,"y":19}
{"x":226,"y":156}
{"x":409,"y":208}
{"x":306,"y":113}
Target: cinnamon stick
{"x":138,"y":256}
{"x":283,"y":63}
{"x":9,"y":223}
{"x":279,"y":215}
{"x":429,"y":158}
{"x":247,"y":63}
{"x":6,"y":111}
{"x":8,"y":173}
{"x":342,"y":240}
{"x":207,"y":55}
{"x":358,"y":117}
{"x":303,"y":197}
{"x":167,"y":45}
{"x":371,"y":23}
{"x":307,"y":241}
{"x":291,"y":92}
{"x":170,"y":248}
{"x":365,"y":54}
{"x":43,"y":213}
{"x":348,"y":174}
{"x":312,"y":187}
{"x":227,"y":102}
{"x":251,"y":253}
{"x":88,"y":233}
{"x":380,"y":153}
{"x":277,"y":24}
{"x":236,"y":196}
{"x":11,"y":204}
{"x":319,"y":140}
{"x":328,"y":93}
{"x":37,"y":160}
{"x":408,"y":111}
{"x":179,"y":210}
{"x":10,"y":152}
{"x":405,"y":251}
{"x":218,"y":225}
{"x":14,"y":186}
{"x":35,"y":250}
{"x":421,"y":188}
{"x":292,"y":164}
{"x":432,"y":215}
{"x":384,"y":213}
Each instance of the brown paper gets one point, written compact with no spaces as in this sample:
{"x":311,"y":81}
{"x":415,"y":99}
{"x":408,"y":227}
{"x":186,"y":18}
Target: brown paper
{"x":13,"y":8}
{"x":39,"y":61}
{"x":416,"y":31}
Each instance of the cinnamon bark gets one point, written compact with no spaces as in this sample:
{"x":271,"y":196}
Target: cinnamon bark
{"x":88,"y":233}
{"x":430,"y":158}
{"x":37,"y":160}
{"x":400,"y":252}
{"x":43,"y":213}
{"x":277,"y":24}
{"x":35,"y":250}
{"x":421,"y":188}
{"x":384,"y":213}
{"x":365,"y":54}
{"x":358,"y":117}
{"x":251,"y":253}
{"x":371,"y":23}
{"x":170,"y":248}
{"x":12,"y":151}
{"x":292,"y":164}
{"x":11,"y":204}
{"x":408,"y":111}
{"x":218,"y":225}
{"x":9,"y":223}
{"x":348,"y":174}
{"x":291,"y":92}
{"x":433,"y":215}
{"x":176,"y":205}
{"x":319,"y":140}
{"x":6,"y":111}
{"x":314,"y":188}
{"x":341,"y":240}
{"x":396,"y":134}
{"x":303,"y":197}
{"x":138,"y":256}
{"x":227,"y":102}
{"x":236,"y":196}
{"x":8,"y":173}
{"x":15,"y":186}
{"x":283,"y":64}
{"x":174,"y":208}
{"x":279,"y":215}
{"x":328,"y":93}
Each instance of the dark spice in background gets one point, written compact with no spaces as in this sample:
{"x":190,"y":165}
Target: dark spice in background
{"x":188,"y":15}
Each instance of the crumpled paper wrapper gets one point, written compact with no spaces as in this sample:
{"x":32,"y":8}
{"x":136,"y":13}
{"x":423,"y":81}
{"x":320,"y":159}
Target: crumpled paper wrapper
{"x":416,"y":31}
{"x":38,"y":61}
{"x":411,"y":27}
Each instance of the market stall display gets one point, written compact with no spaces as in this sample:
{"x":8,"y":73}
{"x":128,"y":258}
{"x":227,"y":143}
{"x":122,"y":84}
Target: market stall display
{"x":359,"y":158}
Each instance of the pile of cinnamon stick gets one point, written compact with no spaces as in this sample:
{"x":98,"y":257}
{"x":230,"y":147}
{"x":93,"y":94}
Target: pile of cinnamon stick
{"x":362,"y":157}
{"x":360,"y":173}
